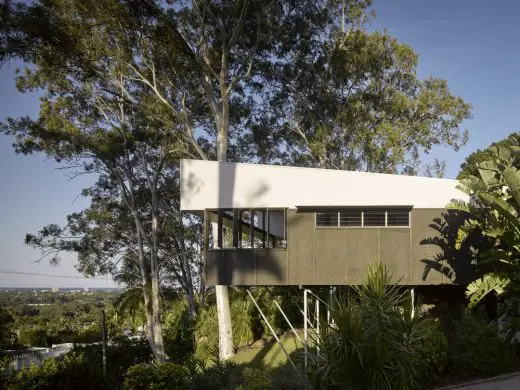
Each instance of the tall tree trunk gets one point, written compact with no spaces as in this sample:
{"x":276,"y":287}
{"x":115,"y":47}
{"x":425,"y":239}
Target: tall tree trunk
{"x":151,"y":293}
{"x":156,"y":299}
{"x":157,"y":323}
{"x":148,"y":310}
{"x":225,"y":328}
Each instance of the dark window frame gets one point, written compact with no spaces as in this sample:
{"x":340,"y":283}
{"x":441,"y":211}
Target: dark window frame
{"x":238,"y":227}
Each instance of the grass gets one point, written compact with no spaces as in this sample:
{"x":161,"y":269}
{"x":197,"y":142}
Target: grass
{"x":271,"y":356}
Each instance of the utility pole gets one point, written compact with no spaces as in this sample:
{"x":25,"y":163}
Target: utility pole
{"x":104,"y":341}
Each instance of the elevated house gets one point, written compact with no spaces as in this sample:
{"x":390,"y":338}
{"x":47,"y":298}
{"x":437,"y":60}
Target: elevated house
{"x":278,"y":225}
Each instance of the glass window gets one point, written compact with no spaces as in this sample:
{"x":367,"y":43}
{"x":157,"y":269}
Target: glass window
{"x":374,"y":218}
{"x":350,"y":218}
{"x":398,"y":218}
{"x":260,"y":228}
{"x":327,"y":218}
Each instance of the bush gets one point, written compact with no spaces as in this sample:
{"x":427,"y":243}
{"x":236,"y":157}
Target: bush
{"x":34,"y":337}
{"x":139,"y":377}
{"x":375,"y":343}
{"x":73,"y":372}
{"x":256,"y":379}
{"x":178,"y":331}
{"x":226,"y":375}
{"x":246,"y":326}
{"x":206,"y":333}
{"x":477,"y":350}
{"x":162,"y":376}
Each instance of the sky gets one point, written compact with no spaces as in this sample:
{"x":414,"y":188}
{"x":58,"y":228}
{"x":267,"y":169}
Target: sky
{"x":473,"y":44}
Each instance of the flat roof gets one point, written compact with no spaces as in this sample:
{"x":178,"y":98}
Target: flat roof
{"x":213,"y":185}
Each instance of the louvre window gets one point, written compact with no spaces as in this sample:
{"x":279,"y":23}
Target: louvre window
{"x":374,"y":218}
{"x":398,"y":218}
{"x":350,"y":218}
{"x":327,"y":218}
{"x":370,"y":217}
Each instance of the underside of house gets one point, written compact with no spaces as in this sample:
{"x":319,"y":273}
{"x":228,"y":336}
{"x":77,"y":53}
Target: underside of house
{"x":275,"y":225}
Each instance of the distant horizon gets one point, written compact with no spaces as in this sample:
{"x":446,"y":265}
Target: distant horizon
{"x":3,"y":289}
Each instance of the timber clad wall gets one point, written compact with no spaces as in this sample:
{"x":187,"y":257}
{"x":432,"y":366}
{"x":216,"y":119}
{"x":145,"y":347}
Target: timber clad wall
{"x":333,"y":255}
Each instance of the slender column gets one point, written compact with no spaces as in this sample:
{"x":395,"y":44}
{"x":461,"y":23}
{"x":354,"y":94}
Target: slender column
{"x":317,"y":323}
{"x":305,"y":342}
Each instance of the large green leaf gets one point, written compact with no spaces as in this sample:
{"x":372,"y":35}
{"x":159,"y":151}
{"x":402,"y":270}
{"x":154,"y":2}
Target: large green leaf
{"x":512,"y":178}
{"x":478,"y":289}
{"x":505,"y":209}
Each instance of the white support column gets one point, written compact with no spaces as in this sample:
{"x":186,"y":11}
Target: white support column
{"x":305,"y":316}
{"x":412,"y":295}
{"x":317,"y":323}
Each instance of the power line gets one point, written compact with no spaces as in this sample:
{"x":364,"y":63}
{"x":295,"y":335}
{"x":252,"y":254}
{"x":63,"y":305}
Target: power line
{"x":2,"y":271}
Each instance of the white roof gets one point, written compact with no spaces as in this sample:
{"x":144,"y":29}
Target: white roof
{"x":212,"y":185}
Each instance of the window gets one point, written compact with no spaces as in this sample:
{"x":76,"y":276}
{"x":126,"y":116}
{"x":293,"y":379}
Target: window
{"x":247,"y":229}
{"x":327,"y":218}
{"x":398,"y":218}
{"x":350,"y":218}
{"x":369,"y":217}
{"x":374,"y":218}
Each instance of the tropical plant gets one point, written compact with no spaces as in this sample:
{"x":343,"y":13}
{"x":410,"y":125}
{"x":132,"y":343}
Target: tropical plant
{"x":493,"y":212}
{"x":161,"y":376}
{"x":377,"y":341}
{"x":477,"y":350}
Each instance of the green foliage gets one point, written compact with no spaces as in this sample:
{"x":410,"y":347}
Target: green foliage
{"x":221,"y":374}
{"x":247,"y":326}
{"x":477,"y":349}
{"x":162,"y":376}
{"x":196,"y":375}
{"x":140,"y":377}
{"x":470,"y":165}
{"x":255,"y":379}
{"x":206,"y":332}
{"x":179,"y":336}
{"x":6,"y":326}
{"x":375,"y":343}
{"x":74,"y":371}
{"x":34,"y":338}
{"x":494,"y":213}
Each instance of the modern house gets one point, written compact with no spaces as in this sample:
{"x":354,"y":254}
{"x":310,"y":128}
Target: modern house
{"x":278,"y":225}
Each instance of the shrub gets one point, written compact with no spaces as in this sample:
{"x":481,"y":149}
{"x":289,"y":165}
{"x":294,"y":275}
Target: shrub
{"x":34,"y":337}
{"x":206,"y":332}
{"x":72,"y":372}
{"x":178,"y":332}
{"x":374,"y":343}
{"x":477,"y":350}
{"x":246,"y":326}
{"x":256,"y":379}
{"x":140,"y":377}
{"x":170,"y":376}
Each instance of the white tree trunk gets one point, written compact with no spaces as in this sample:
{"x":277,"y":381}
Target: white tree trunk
{"x":225,"y":327}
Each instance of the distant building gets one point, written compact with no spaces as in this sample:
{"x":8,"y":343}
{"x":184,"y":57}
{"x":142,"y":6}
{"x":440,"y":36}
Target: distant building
{"x":55,"y":289}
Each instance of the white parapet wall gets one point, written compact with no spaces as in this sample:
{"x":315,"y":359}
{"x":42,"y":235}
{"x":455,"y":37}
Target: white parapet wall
{"x":214,"y":185}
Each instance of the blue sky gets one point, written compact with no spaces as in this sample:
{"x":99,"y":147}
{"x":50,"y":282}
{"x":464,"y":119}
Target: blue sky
{"x":472,"y":44}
